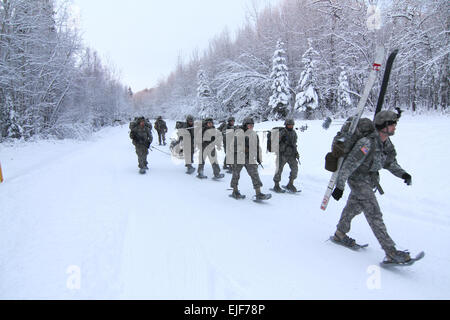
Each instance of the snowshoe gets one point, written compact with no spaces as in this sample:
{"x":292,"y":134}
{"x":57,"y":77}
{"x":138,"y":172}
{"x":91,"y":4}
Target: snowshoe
{"x":260,"y":197}
{"x":401,"y":258}
{"x":277,"y":189}
{"x":237,"y":195}
{"x":201,"y":176}
{"x":190,"y":170}
{"x":218,"y":177}
{"x":347,"y":242}
{"x":291,"y":188}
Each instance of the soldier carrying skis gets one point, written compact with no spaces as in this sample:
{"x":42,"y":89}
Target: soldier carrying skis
{"x":360,"y":170}
{"x":141,"y":136}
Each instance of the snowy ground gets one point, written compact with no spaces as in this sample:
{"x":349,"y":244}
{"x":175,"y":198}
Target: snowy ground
{"x":78,"y":222}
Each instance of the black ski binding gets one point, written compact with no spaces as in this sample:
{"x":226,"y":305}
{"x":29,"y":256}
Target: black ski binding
{"x":260,"y":200}
{"x":355,"y":247}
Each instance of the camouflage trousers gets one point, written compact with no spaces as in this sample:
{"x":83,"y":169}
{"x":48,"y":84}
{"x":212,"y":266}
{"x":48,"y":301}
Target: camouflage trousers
{"x":281,"y":162}
{"x":213,"y":160}
{"x":142,"y":152}
{"x":362,"y":199}
{"x":161,"y":137}
{"x":252,"y":170}
{"x":191,"y":155}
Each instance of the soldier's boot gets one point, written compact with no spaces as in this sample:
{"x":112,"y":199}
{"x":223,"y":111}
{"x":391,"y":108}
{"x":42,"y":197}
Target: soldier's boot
{"x":236,"y":194}
{"x":260,"y":195}
{"x":290,"y":186}
{"x":344,"y":239}
{"x":190,"y":169}
{"x":397,"y":256}
{"x":277,"y":188}
{"x":141,"y":170}
{"x":216,"y":170}
{"x":200,"y":174}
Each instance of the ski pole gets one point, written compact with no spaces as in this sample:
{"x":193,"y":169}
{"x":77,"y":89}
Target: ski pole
{"x":151,"y":148}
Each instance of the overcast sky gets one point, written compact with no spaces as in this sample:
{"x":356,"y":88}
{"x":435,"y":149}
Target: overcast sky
{"x":143,"y":38}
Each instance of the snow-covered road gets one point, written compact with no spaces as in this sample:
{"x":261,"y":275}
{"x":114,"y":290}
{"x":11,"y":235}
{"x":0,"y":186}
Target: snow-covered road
{"x":78,"y":222}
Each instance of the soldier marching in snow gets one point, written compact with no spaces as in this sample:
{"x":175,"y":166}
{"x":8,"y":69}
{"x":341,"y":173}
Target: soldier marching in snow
{"x":161,"y":128}
{"x":208,"y":147}
{"x":247,"y":153}
{"x":287,"y":153}
{"x":360,"y":170}
{"x":229,"y":125}
{"x":141,"y":136}
{"x":188,"y":154}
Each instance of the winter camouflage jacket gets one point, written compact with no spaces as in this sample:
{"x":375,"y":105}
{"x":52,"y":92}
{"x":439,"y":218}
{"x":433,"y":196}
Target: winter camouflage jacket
{"x":368,"y":156}
{"x":141,"y":136}
{"x":160,"y":126}
{"x":210,"y":137}
{"x":288,"y":143}
{"x":244,"y":145}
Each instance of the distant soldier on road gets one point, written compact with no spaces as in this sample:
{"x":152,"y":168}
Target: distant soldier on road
{"x":161,"y":129}
{"x":141,"y":136}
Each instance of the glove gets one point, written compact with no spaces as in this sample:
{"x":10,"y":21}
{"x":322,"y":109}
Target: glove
{"x":337,"y":194}
{"x":407,"y":178}
{"x":297,"y":156}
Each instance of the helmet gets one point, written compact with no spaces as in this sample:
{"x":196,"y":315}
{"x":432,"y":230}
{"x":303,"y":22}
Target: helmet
{"x":288,"y":122}
{"x":209,"y":119}
{"x":189,"y":118}
{"x":247,"y":121}
{"x":385,"y":118}
{"x":159,"y":118}
{"x":231,"y":119}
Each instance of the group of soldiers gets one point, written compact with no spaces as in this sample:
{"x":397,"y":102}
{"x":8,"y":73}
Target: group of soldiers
{"x":360,"y":167}
{"x":287,"y":154}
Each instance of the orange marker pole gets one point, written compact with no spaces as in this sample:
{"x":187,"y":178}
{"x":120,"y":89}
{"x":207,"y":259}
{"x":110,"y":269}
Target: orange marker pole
{"x":1,"y":175}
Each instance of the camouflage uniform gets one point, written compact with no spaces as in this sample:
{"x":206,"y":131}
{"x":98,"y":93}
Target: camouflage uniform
{"x":287,"y":154}
{"x":142,"y":138}
{"x":189,"y":126}
{"x":212,"y":155}
{"x":161,"y":128}
{"x":251,"y":164}
{"x":223,"y":128}
{"x":360,"y":168}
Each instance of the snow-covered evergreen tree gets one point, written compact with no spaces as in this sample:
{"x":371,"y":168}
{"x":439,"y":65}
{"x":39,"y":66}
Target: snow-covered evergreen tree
{"x":344,"y":101}
{"x":206,"y":101}
{"x":307,"y":97}
{"x":279,"y":100}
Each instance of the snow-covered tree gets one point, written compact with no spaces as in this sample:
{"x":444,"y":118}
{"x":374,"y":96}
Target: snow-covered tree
{"x":207,"y":105}
{"x":344,"y":101}
{"x":307,"y":97}
{"x":279,"y":100}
